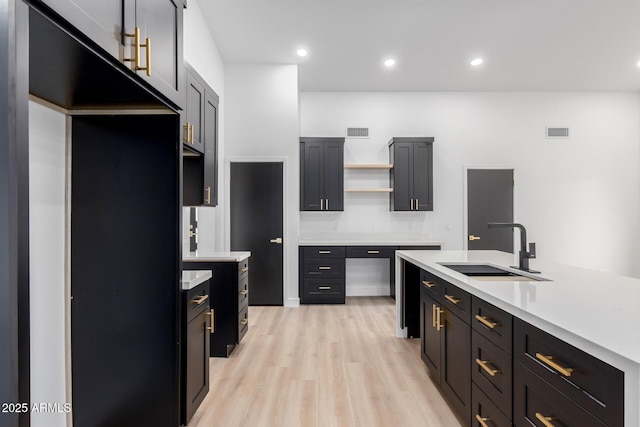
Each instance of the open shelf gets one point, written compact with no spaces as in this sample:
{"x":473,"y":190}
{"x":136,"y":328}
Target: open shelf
{"x":368,"y":190}
{"x":368,"y":166}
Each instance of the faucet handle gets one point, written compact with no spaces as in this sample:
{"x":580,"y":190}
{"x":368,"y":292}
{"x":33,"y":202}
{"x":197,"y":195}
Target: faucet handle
{"x":532,"y":250}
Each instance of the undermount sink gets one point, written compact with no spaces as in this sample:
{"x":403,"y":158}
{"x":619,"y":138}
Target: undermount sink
{"x":488,"y":272}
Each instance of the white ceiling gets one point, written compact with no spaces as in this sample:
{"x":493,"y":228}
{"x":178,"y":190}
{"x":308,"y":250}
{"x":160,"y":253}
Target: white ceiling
{"x":527,"y":45}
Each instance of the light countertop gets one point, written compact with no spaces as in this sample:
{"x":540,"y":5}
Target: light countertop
{"x":595,"y":311}
{"x":193,"y":278}
{"x":200,"y":256}
{"x":366,"y":239}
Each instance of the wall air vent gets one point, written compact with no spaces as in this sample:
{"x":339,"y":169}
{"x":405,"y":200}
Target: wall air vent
{"x":557,"y":132}
{"x":357,"y":132}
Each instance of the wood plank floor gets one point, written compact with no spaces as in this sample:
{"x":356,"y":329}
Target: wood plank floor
{"x":323,"y":365}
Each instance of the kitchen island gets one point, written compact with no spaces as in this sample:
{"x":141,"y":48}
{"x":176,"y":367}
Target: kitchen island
{"x":597,"y":313}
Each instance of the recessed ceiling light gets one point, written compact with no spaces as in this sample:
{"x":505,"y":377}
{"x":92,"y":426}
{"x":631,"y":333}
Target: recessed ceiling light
{"x":390,"y":62}
{"x":302,"y":52}
{"x":476,"y":62}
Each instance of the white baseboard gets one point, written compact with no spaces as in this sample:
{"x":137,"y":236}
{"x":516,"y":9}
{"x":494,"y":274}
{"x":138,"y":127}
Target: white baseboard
{"x":292,"y":302}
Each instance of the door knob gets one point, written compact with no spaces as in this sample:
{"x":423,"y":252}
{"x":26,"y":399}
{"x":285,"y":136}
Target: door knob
{"x":472,"y":237}
{"x":277,"y":240}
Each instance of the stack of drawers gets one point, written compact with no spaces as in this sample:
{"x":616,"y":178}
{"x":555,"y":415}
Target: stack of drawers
{"x":243,"y":298}
{"x":322,"y":275}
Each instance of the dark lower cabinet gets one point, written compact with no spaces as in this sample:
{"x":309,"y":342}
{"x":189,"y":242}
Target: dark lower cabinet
{"x":197,"y":328}
{"x":445,"y":347}
{"x":228,"y":296}
{"x":322,"y":275}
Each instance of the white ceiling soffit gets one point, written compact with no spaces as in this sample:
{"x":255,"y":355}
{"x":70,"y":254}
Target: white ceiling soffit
{"x":554,"y":45}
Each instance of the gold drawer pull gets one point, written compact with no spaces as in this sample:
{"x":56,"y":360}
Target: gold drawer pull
{"x":244,"y":322}
{"x":482,"y":421}
{"x":545,"y":420}
{"x":439,"y":324}
{"x":373,"y":252}
{"x":211,"y":328}
{"x":548,"y":360}
{"x":428,"y":284}
{"x":324,"y":252}
{"x":243,"y":269}
{"x":324,"y":288}
{"x":486,"y":322}
{"x":324,"y":268}
{"x":433,"y":315}
{"x":244,"y":292}
{"x":484,"y":364}
{"x":452,"y":299}
{"x":207,"y":200}
{"x":200,"y":300}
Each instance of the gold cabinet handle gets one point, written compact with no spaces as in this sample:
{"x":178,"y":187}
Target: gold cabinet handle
{"x":472,"y":237}
{"x":244,"y":292}
{"x":482,"y":421}
{"x":148,"y":46}
{"x":417,"y":204}
{"x":200,"y":300}
{"x":486,"y":322}
{"x":411,"y":204}
{"x":244,"y":322}
{"x":433,"y":315}
{"x":324,"y":268}
{"x":185,"y":138}
{"x":373,"y":252}
{"x":321,"y":204}
{"x":324,"y":252}
{"x":428,"y":284}
{"x":243,"y":269}
{"x":439,"y":324}
{"x":452,"y":299}
{"x":211,"y":328}
{"x":190,"y":134}
{"x":324,"y":288}
{"x":136,"y":48}
{"x":545,"y":420}
{"x":548,"y":360}
{"x":484,"y":364}
{"x":208,"y":198}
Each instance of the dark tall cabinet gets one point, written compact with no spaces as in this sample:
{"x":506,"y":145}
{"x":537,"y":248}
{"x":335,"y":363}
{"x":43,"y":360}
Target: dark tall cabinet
{"x":321,"y":174}
{"x":412,"y":174}
{"x":200,"y":142}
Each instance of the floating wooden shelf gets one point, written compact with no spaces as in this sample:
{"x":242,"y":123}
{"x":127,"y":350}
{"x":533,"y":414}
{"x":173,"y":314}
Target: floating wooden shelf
{"x":370,"y":166}
{"x":368,"y":190}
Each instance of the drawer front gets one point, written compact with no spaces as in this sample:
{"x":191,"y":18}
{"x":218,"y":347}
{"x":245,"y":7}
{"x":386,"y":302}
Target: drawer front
{"x":329,"y":268}
{"x":491,"y":370}
{"x":535,"y":399}
{"x":370,"y":252}
{"x":243,"y":293}
{"x":321,"y":252}
{"x":243,"y":269}
{"x":431,"y":283}
{"x":456,"y":300}
{"x":595,"y":385}
{"x":323,"y":287}
{"x":197,"y":300}
{"x":243,"y":323}
{"x":484,"y":411}
{"x":494,"y":324}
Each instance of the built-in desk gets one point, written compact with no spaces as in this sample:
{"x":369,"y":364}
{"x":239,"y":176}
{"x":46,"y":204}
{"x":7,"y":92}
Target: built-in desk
{"x":322,"y":258}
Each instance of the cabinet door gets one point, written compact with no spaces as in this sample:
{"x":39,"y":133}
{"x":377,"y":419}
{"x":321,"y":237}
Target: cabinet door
{"x":455,"y":354}
{"x":313,"y":175}
{"x":100,"y":20}
{"x":422,"y":176}
{"x":193,"y":130}
{"x":334,"y":176}
{"x":402,"y":176}
{"x":211,"y":150}
{"x":430,"y":337}
{"x":197,"y":363}
{"x":160,"y":21}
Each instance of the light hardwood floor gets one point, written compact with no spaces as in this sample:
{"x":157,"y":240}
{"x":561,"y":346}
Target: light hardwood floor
{"x":323,"y":365}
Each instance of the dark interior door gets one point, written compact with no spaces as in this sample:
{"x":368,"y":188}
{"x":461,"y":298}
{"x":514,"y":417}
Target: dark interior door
{"x":490,"y":199}
{"x":257,"y":226}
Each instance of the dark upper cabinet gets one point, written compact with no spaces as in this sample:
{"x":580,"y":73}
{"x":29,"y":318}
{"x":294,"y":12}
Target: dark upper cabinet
{"x":200,"y":142}
{"x":322,"y":174}
{"x":412,"y":174}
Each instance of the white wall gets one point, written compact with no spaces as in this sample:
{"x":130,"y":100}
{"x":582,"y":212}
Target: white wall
{"x":47,"y":261}
{"x":201,"y":53}
{"x":578,"y":197}
{"x":262,"y":122}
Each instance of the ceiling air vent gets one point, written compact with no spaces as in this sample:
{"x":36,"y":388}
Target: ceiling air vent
{"x":357,"y":132}
{"x":557,"y":132}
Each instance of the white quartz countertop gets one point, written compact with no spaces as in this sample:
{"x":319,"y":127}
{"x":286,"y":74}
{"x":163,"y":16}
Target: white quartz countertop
{"x":366,"y":239}
{"x":192,"y":278}
{"x":595,"y":311}
{"x":200,"y":256}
